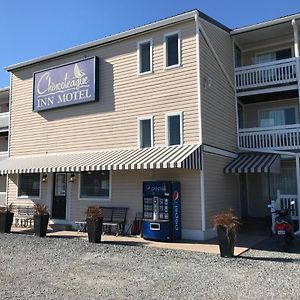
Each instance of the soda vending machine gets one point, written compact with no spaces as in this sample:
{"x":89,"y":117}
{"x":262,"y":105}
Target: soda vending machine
{"x":161,"y":210}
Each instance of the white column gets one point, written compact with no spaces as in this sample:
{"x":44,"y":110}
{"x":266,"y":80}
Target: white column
{"x":298,"y":188}
{"x":296,"y":48}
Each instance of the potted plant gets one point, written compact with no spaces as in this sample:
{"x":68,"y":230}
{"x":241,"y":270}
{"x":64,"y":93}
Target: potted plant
{"x":226,"y":224}
{"x":94,"y":220}
{"x":6,"y":218}
{"x":41,"y":219}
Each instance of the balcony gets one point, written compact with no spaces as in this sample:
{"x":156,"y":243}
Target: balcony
{"x":4,"y":121}
{"x":267,"y":75}
{"x":270,"y":138}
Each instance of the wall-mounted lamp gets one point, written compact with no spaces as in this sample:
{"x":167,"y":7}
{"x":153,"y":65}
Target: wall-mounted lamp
{"x":45,"y":178}
{"x":72,"y":177}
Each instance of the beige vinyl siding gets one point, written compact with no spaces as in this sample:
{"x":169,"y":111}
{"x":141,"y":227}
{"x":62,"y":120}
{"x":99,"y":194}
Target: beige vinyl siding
{"x":251,"y":111}
{"x":218,"y":99}
{"x":248,"y":57}
{"x":124,"y":96}
{"x":127,"y":191}
{"x":221,"y":190}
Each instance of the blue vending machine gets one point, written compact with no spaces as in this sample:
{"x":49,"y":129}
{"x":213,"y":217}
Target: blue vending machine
{"x":161,"y":210}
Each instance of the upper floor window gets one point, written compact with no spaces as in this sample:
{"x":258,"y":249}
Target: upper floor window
{"x":174,"y":129}
{"x":172,"y":50}
{"x":145,"y":57}
{"x":145,"y":132}
{"x":29,"y":185}
{"x":273,"y":56}
{"x":94,"y":185}
{"x":277,"y":117}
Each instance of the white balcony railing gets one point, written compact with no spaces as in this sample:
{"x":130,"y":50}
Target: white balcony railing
{"x":4,"y":120}
{"x":281,"y":72}
{"x":270,"y":138}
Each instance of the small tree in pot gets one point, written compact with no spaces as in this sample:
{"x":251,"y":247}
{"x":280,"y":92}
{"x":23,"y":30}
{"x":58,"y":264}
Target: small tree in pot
{"x":41,"y":219}
{"x":226,"y":224}
{"x":94,"y":220}
{"x":6,"y":218}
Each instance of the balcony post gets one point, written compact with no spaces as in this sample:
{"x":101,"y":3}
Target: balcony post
{"x":296,"y":48}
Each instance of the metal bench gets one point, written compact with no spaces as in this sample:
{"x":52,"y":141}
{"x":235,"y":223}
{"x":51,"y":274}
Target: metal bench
{"x":112,"y":217}
{"x":23,"y":215}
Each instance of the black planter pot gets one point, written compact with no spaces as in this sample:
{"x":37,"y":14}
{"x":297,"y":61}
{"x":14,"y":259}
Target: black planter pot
{"x":226,"y":241}
{"x":6,"y":220}
{"x":94,"y":229}
{"x":40,"y":225}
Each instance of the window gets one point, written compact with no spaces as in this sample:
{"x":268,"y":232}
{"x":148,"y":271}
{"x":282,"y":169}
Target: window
{"x":145,"y":57}
{"x":145,"y":132}
{"x":29,"y":185}
{"x":172,"y":50}
{"x":174,"y":129}
{"x":277,"y":117}
{"x":94,"y":184}
{"x":273,"y":56}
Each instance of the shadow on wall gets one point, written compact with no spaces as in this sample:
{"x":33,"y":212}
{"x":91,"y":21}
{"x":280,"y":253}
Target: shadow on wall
{"x":106,"y":96}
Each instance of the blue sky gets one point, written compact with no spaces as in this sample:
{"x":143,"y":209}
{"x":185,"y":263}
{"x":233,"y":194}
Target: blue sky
{"x":34,"y":28}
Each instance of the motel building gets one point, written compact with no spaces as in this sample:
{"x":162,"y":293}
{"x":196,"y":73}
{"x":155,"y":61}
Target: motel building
{"x":184,"y":99}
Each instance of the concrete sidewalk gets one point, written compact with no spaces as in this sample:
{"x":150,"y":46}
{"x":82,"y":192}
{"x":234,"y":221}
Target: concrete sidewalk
{"x":244,"y":241}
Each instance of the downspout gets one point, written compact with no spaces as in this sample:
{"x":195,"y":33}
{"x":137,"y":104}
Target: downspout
{"x":9,"y":130}
{"x":202,"y":185}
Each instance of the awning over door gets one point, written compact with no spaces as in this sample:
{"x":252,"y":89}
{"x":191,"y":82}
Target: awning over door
{"x":254,"y":163}
{"x":187,"y":156}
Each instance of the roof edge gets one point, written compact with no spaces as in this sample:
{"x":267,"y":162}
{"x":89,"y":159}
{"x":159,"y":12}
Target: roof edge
{"x":4,"y":89}
{"x":128,"y":33}
{"x":265,"y":24}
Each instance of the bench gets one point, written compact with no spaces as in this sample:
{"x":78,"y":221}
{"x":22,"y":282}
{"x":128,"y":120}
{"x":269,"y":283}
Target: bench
{"x":23,"y":215}
{"x":112,"y":216}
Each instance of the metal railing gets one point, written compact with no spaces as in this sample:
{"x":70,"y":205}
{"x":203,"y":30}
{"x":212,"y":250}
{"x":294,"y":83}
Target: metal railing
{"x":285,"y":137}
{"x":270,"y":74}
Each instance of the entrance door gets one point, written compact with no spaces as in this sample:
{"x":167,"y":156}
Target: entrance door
{"x":243,"y":195}
{"x":59,"y":196}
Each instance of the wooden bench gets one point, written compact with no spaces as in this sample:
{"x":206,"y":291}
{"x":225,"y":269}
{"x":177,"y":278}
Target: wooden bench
{"x":23,"y":215}
{"x":112,"y":217}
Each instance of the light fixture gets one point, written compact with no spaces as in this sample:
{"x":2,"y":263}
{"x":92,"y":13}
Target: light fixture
{"x":72,"y":177}
{"x":45,"y":178}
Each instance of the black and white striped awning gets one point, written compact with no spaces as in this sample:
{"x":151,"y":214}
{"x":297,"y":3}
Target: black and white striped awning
{"x":186,"y":156}
{"x":254,"y":163}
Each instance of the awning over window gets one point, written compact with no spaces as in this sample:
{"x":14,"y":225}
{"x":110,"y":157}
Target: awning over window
{"x":254,"y":163}
{"x":187,"y":156}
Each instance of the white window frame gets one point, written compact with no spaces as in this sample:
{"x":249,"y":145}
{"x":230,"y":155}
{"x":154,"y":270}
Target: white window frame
{"x":29,"y":197}
{"x":96,"y":199}
{"x":277,"y":108}
{"x":167,"y":135}
{"x":179,"y":49}
{"x":140,"y":132}
{"x":139,"y":57}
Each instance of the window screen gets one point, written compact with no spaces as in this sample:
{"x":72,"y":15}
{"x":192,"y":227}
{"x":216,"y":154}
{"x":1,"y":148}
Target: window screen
{"x":145,"y":132}
{"x":94,"y":184}
{"x":174,"y":130}
{"x":172,"y":50}
{"x":29,"y":185}
{"x":145,"y":57}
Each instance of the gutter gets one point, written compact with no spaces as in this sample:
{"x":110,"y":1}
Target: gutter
{"x":265,"y":24}
{"x":110,"y":39}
